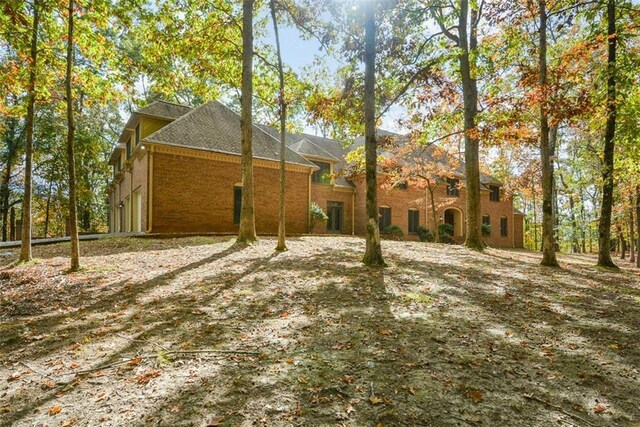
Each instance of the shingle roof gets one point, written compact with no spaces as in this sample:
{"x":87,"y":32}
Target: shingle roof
{"x":308,"y":148}
{"x":165,"y":109}
{"x":214,"y":127}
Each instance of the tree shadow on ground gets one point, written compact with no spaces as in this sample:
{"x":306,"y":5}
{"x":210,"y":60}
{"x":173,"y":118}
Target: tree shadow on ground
{"x":423,"y":342}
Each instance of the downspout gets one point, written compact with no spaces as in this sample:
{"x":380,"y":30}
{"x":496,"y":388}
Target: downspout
{"x":131,"y":197}
{"x":150,"y":189}
{"x":353,"y":213}
{"x":309,"y":204}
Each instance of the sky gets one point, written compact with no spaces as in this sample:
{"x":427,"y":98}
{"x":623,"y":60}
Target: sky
{"x":298,"y":53}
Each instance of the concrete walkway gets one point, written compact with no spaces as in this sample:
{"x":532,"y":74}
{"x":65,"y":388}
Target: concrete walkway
{"x":48,"y":241}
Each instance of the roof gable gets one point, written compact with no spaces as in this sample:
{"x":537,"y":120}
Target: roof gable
{"x":214,"y":127}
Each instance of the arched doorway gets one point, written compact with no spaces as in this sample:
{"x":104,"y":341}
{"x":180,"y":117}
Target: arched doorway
{"x":453,"y":217}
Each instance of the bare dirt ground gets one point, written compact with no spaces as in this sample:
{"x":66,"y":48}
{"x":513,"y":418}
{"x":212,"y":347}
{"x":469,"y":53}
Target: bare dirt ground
{"x":196,"y":331}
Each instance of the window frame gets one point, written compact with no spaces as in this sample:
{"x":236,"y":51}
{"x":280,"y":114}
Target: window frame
{"x":237,"y":189}
{"x":488,"y":222}
{"x":453,"y":187}
{"x":381,"y":217}
{"x":494,"y":193}
{"x":504,"y":226}
{"x":316,"y":177}
{"x":413,"y":221}
{"x":137,"y":134}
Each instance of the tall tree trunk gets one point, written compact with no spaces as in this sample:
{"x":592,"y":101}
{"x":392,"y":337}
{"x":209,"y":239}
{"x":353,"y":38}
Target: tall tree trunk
{"x":622,"y":241}
{"x":632,"y":233}
{"x":25,"y":249}
{"x":553,"y":148}
{"x":71,"y":161}
{"x":468,"y":40}
{"x":373,"y":251}
{"x":535,"y":218}
{"x":47,"y":211}
{"x":604,"y":227}
{"x":282,"y":245}
{"x":548,"y":245}
{"x":638,"y":225}
{"x":12,"y":148}
{"x":583,"y":220}
{"x":575,"y":244}
{"x":434,"y":213}
{"x":247,"y":232}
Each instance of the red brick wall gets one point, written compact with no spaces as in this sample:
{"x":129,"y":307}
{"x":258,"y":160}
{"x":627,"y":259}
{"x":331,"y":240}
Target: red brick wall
{"x":192,"y":194}
{"x":401,"y":200}
{"x":123,"y":188}
{"x":324,"y":193}
{"x":398,"y":200}
{"x":518,"y":222}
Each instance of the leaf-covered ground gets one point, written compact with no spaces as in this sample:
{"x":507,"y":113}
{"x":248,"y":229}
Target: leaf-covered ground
{"x":197,"y":331}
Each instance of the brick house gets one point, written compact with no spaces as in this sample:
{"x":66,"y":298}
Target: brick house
{"x":177,"y":170}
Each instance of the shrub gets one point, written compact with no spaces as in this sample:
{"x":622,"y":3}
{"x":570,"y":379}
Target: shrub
{"x":446,"y":233}
{"x":317,"y":214}
{"x":425,"y":235}
{"x":393,"y":232}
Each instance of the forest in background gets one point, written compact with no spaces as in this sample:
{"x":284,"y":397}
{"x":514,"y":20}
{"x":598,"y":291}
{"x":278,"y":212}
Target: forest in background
{"x":128,"y":53}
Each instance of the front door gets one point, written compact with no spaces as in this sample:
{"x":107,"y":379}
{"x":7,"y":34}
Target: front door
{"x":335,"y":212}
{"x":449,"y":218}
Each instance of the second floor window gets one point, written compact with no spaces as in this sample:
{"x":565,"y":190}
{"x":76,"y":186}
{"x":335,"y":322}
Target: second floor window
{"x":137,"y":134}
{"x":453,"y":187}
{"x":494,"y":196}
{"x":322,"y":175}
{"x":403,"y":185}
{"x":128,"y":148}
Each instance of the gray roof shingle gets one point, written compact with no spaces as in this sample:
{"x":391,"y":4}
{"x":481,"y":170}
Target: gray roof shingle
{"x":214,"y":127}
{"x":308,"y":148}
{"x":165,"y":109}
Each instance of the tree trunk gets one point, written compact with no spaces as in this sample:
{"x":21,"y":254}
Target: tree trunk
{"x":638,"y":225}
{"x":47,"y":211}
{"x":604,"y":227}
{"x":622,"y":241}
{"x":25,"y":249}
{"x":373,"y":251}
{"x":553,"y":148}
{"x":434,"y":212}
{"x":632,"y":234}
{"x":282,"y":245}
{"x":12,"y":148}
{"x":468,"y":43}
{"x":71,"y":161}
{"x":548,"y":245}
{"x":583,"y":220}
{"x":535,"y":218}
{"x":575,"y":244}
{"x":247,"y":232}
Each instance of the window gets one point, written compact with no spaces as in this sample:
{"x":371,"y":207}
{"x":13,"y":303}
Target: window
{"x":494,"y":196}
{"x":385,"y":218}
{"x":414,"y":220}
{"x":486,"y":225}
{"x":335,"y":213}
{"x":503,"y":226}
{"x":237,"y":204}
{"x":322,"y":175}
{"x":452,"y":187}
{"x":137,"y":134}
{"x":128,"y":148}
{"x":401,"y":185}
